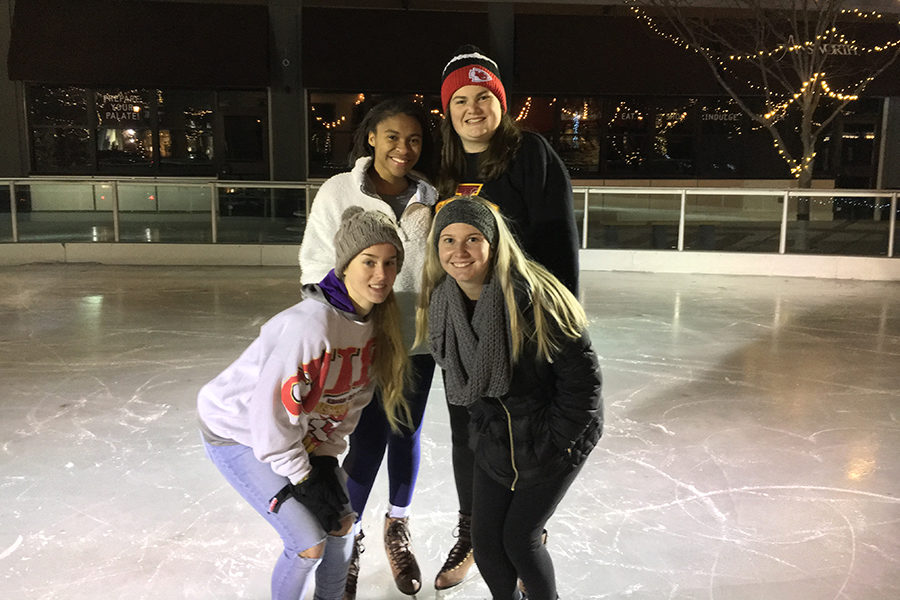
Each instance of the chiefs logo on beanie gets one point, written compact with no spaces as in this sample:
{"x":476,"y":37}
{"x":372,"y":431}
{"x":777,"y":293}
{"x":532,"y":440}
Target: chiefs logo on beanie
{"x":470,"y":67}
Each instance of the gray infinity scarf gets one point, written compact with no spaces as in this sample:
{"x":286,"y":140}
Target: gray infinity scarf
{"x":475,"y":355}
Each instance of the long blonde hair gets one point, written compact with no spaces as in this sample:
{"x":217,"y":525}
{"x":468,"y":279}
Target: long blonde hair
{"x":555,"y":308}
{"x":390,"y":362}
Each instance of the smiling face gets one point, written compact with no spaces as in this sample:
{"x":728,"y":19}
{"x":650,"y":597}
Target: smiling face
{"x":397,"y":143}
{"x":370,"y":276}
{"x":475,"y":115}
{"x":465,"y":255}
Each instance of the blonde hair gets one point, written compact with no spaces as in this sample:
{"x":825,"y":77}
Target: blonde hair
{"x":390,"y":362}
{"x":554,"y":304}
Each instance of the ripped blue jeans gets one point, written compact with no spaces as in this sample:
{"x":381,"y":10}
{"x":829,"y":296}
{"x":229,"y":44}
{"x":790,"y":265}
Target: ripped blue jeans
{"x":299,"y":530}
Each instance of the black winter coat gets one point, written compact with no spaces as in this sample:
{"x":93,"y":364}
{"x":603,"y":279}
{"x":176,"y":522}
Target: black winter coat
{"x":548,"y":422}
{"x":535,"y":195}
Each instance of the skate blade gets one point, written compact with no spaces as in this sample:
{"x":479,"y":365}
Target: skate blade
{"x":456,"y":591}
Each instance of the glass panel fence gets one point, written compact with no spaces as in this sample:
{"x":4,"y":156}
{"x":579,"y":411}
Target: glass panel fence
{"x":848,"y":223}
{"x":578,"y":206}
{"x":840,"y":225}
{"x":164,"y":213}
{"x":65,"y":212}
{"x":896,"y":240}
{"x":633,"y":220}
{"x":732,"y":223}
{"x":6,"y":223}
{"x":261,"y":215}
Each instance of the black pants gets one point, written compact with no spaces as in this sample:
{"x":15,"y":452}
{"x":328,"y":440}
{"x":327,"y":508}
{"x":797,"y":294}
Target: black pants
{"x":506,"y":535}
{"x":462,"y":457}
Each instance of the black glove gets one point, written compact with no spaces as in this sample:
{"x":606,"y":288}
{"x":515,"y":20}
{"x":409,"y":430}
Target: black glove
{"x":321,"y":492}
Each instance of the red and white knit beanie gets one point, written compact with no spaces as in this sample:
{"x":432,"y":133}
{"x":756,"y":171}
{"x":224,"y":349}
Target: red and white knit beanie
{"x":470,"y":67}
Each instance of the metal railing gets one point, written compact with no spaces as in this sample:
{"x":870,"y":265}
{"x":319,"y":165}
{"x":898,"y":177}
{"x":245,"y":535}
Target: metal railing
{"x":783,"y":196}
{"x":609,"y":209}
{"x":115,"y":184}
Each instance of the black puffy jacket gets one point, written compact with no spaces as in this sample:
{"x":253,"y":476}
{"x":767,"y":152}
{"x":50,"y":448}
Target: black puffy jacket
{"x":548,"y":422}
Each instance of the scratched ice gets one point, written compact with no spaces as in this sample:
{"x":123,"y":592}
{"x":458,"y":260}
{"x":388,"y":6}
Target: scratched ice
{"x":752,"y":446}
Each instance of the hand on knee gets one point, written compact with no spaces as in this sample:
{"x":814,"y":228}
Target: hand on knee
{"x":314,"y":552}
{"x":346,"y":525}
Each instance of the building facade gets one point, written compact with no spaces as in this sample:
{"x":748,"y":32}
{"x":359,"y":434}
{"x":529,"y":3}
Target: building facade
{"x":260,"y":90}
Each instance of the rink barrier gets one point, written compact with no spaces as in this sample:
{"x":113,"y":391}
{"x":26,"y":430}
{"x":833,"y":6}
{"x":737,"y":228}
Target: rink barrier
{"x":682,"y":219}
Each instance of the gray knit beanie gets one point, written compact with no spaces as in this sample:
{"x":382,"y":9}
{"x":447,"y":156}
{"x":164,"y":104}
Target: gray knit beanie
{"x":360,"y":229}
{"x":465,"y":210}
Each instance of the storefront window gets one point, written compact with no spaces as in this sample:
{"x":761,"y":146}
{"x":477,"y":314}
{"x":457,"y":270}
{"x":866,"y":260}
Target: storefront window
{"x":185,"y":128}
{"x":627,"y":143}
{"x":58,"y":106}
{"x":124,"y":133}
{"x":147,"y":132}
{"x":723,"y":127}
{"x":332,"y":121}
{"x":244,"y":138}
{"x":61,"y":149}
{"x":578,"y":137}
{"x":672,"y":153}
{"x":59,"y":119}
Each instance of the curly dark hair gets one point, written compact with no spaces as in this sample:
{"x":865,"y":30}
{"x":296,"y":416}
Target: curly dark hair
{"x":385,"y":110}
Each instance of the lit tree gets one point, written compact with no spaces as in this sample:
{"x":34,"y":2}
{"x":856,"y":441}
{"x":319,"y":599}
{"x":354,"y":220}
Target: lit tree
{"x":790,"y":65}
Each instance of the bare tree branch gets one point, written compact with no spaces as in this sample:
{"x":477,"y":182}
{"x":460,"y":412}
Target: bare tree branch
{"x":799,"y":57}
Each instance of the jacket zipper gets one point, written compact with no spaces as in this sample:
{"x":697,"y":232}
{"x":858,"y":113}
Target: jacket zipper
{"x":512,"y":451}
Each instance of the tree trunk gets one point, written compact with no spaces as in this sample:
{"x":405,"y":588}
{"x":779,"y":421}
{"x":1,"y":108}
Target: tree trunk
{"x":801,"y":239}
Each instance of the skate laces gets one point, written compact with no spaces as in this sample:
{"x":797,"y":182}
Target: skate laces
{"x":459,"y":552}
{"x":398,"y":542}
{"x":353,"y":567}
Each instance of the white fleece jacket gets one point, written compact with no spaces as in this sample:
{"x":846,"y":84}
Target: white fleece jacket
{"x":349,"y":189}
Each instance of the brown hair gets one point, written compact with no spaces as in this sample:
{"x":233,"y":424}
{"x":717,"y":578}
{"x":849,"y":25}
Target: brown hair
{"x":492,"y":163}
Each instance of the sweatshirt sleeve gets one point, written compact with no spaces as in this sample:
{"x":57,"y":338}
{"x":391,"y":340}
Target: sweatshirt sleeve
{"x":552,"y":236}
{"x":278,"y":433}
{"x":317,"y":247}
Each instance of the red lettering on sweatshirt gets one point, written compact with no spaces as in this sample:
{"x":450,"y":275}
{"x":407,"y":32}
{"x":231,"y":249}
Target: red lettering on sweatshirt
{"x":315,"y":375}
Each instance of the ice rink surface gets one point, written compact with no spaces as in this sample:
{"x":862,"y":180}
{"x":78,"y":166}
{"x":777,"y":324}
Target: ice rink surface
{"x":751,"y":449}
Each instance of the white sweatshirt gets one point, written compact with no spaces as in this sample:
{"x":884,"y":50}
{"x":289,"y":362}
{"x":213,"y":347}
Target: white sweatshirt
{"x":298,"y":389}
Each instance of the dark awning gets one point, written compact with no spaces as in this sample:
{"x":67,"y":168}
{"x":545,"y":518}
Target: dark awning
{"x":345,"y":49}
{"x":108,"y":42}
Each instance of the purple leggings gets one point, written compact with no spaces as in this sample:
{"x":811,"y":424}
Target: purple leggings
{"x":373,"y":435}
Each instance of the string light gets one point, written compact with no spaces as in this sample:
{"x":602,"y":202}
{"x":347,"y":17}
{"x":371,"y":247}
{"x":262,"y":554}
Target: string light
{"x":623,"y":110}
{"x":523,"y":114}
{"x":851,"y":46}
{"x":329,"y":124}
{"x":617,"y":140}
{"x":829,"y":42}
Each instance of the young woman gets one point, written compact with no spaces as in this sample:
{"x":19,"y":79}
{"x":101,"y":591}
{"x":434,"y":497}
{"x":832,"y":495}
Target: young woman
{"x":484,"y":152}
{"x":275,"y":420}
{"x":513,"y":343}
{"x":392,"y":139}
